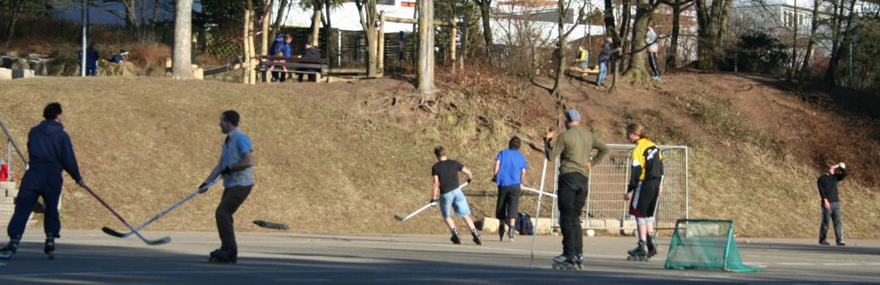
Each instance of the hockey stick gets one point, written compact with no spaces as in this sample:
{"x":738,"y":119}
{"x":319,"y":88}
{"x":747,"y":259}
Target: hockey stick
{"x":423,"y":208}
{"x":115,"y":233}
{"x":538,"y":211}
{"x":539,"y":192}
{"x":160,"y":241}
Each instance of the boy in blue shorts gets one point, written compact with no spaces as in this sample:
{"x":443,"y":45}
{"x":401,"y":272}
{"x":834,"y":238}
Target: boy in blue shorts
{"x":447,"y":191}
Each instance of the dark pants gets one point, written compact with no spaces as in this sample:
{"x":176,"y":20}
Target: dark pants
{"x":278,"y":76}
{"x":507,"y":205}
{"x":572,"y":195}
{"x":828,"y":215}
{"x":37,"y":182}
{"x":91,"y":71}
{"x":655,"y":68}
{"x":232,"y":199}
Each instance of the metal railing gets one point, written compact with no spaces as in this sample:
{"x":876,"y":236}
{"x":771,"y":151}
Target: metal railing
{"x":10,"y":145}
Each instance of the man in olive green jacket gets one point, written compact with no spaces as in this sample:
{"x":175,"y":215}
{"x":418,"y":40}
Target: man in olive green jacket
{"x":574,"y":147}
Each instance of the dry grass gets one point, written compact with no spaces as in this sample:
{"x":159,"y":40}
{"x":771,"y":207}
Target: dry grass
{"x":346,"y":157}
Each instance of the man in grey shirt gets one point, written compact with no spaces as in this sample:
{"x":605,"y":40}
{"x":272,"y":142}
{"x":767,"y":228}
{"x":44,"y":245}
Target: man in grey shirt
{"x":653,"y":48}
{"x":236,"y":166}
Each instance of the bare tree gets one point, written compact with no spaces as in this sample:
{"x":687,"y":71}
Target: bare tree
{"x":368,"y":16}
{"x":426,"y":47}
{"x":712,"y":21}
{"x":485,"y":15}
{"x":563,"y":9}
{"x":842,"y":32}
{"x":182,"y":63}
{"x":637,"y":72}
{"x":805,"y":68}
{"x":677,"y":7}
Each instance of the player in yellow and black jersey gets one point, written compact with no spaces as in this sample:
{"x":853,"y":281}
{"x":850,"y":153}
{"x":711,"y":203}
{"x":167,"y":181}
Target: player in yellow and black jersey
{"x":644,"y":188}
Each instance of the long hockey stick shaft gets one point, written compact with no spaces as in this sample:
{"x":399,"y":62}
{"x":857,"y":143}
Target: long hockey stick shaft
{"x":413,"y":214}
{"x":169,"y":209}
{"x":538,"y":211}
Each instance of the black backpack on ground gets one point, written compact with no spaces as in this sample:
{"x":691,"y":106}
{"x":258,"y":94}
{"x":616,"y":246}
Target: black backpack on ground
{"x":524,"y":224}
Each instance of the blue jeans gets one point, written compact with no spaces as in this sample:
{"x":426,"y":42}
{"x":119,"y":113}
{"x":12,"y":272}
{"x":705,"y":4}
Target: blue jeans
{"x":603,"y":71}
{"x":457,"y":201}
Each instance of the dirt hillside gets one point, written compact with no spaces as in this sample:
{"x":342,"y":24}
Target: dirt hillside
{"x":347,"y":156}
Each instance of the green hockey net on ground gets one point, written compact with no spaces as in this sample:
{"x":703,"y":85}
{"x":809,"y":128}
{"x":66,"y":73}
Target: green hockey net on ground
{"x":705,"y":244}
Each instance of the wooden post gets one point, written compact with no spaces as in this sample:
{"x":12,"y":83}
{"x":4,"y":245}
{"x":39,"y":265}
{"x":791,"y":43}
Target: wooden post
{"x":381,"y":55}
{"x":245,"y":63}
{"x":264,"y":47}
{"x":452,"y":38}
{"x":426,"y":47}
{"x":252,"y":49}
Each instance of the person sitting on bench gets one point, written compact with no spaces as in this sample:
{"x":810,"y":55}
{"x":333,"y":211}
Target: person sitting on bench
{"x":311,"y":52}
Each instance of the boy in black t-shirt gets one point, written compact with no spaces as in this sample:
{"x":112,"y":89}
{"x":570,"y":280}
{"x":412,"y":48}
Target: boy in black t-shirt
{"x":448,"y":192}
{"x":830,"y":201}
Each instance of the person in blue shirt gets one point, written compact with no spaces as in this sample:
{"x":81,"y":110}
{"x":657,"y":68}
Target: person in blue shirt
{"x":236,"y":167}
{"x":50,"y":152}
{"x":283,"y":48}
{"x":510,"y":168}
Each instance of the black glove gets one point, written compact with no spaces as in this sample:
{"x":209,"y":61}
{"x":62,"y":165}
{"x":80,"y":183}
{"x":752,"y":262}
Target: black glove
{"x":495,"y":178}
{"x":203,"y":187}
{"x":226,"y":171}
{"x":469,"y":180}
{"x":433,"y":201}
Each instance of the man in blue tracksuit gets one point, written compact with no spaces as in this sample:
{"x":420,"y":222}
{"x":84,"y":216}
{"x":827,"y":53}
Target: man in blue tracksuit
{"x":50,"y":152}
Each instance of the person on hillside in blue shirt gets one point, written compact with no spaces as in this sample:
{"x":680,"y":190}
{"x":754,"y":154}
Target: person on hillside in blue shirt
{"x":236,"y":167}
{"x":284,"y":49}
{"x":510,"y":168}
{"x":50,"y":151}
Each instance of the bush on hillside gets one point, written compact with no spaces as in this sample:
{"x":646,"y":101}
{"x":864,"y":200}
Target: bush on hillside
{"x":759,"y":52}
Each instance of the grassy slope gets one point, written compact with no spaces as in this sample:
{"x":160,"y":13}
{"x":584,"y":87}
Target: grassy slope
{"x":328,"y":160}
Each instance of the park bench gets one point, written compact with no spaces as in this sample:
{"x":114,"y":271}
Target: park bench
{"x":306,"y":66}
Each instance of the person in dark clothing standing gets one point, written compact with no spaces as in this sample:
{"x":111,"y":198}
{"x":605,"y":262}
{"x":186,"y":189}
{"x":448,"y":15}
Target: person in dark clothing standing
{"x":92,"y":57}
{"x":574,"y":147}
{"x":50,"y":151}
{"x":447,"y":191}
{"x":605,"y":56}
{"x":831,"y":201}
{"x":236,"y":167}
{"x":510,"y":168}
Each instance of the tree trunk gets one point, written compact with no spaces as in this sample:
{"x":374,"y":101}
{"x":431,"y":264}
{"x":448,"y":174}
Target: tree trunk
{"x":264,"y":42}
{"x":279,"y":17}
{"x":485,"y":15}
{"x":626,"y":23}
{"x":155,"y":13}
{"x":426,"y":47}
{"x":672,"y":56}
{"x":316,"y":23}
{"x":559,"y":53}
{"x":795,"y":27}
{"x":182,"y":61}
{"x":637,"y":72}
{"x":711,"y":24}
{"x":805,"y":68}
{"x":831,"y":74}
{"x":368,"y":17}
{"x":131,"y":19}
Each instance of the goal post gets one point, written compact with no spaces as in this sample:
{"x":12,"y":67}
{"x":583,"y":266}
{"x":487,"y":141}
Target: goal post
{"x":605,"y":208}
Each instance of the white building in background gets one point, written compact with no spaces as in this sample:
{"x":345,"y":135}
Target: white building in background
{"x":506,"y":14}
